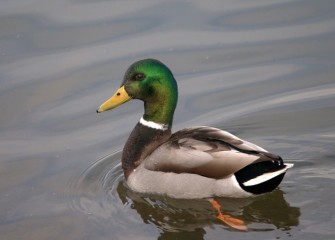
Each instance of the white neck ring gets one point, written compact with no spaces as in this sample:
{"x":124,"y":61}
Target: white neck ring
{"x":150,"y":124}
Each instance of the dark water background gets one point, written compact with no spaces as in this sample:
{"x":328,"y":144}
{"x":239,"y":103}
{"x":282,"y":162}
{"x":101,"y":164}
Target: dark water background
{"x":264,"y":70}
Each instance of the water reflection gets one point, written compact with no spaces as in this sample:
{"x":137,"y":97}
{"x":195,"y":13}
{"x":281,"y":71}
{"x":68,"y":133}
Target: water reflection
{"x":261,"y":69}
{"x":102,"y":193}
{"x":191,"y":217}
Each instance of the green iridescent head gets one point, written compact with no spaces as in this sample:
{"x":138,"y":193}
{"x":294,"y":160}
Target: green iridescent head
{"x":152,"y":82}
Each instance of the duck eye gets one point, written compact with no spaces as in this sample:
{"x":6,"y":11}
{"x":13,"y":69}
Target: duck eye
{"x":139,"y":76}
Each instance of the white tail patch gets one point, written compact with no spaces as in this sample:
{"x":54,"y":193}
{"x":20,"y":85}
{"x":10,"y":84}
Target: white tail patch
{"x":266,"y":176}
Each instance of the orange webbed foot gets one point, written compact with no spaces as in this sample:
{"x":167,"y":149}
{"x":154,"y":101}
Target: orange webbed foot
{"x":229,"y":220}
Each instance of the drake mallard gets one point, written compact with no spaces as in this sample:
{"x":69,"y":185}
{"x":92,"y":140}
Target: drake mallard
{"x":196,"y":162}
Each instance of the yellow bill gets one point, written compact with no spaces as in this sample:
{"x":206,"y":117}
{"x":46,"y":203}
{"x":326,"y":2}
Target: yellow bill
{"x":121,"y":96}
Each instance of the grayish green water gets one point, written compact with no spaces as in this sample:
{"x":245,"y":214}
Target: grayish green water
{"x":264,"y":70}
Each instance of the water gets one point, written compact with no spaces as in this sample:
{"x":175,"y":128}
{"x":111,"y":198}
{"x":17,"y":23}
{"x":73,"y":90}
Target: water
{"x":263,"y":70}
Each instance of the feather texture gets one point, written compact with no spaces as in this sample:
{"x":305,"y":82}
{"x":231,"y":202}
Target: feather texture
{"x":195,"y":162}
{"x":202,"y":162}
{"x":206,"y":151}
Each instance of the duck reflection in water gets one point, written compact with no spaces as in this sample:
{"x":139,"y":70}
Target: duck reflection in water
{"x":189,"y":218}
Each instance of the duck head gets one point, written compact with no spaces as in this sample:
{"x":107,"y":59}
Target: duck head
{"x":152,"y":82}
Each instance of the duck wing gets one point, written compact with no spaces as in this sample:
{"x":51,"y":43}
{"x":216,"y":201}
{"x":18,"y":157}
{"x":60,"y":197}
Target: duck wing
{"x":208,"y":152}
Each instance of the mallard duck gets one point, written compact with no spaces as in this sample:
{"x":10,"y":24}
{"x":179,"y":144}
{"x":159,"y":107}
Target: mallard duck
{"x":196,"y":162}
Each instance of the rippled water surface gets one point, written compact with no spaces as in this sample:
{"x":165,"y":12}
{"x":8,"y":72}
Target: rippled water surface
{"x":264,"y":70}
